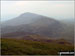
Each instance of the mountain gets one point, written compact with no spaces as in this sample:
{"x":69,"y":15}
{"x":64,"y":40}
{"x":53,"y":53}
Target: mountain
{"x":69,"y":29}
{"x":33,"y":24}
{"x":24,"y":18}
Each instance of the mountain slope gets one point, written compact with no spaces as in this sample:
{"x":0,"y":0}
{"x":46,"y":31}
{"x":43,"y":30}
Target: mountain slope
{"x":30,"y":23}
{"x":69,"y":29}
{"x":41,"y":25}
{"x":24,"y":18}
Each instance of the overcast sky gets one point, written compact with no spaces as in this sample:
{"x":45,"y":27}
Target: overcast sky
{"x":55,"y":9}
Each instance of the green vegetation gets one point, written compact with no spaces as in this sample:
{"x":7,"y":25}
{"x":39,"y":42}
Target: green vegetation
{"x":25,"y":47}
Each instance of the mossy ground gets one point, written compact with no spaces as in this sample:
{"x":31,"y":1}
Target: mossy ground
{"x":25,"y":47}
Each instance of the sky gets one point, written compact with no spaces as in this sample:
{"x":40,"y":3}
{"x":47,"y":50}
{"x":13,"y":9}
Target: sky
{"x":55,"y":9}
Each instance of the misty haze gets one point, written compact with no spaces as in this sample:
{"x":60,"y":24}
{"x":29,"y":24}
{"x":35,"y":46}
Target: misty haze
{"x":37,"y":27}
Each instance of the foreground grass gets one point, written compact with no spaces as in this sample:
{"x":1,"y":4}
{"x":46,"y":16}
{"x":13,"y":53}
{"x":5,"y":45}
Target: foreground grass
{"x":24,"y":47}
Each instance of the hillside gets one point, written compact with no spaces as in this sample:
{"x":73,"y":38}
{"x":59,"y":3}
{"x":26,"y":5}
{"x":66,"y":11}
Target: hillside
{"x":34,"y":34}
{"x":69,"y":29}
{"x":30,"y":23}
{"x":24,"y":47}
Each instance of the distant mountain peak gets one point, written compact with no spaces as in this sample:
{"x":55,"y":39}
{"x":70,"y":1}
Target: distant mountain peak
{"x":28,"y":17}
{"x":28,"y":13}
{"x":32,"y":23}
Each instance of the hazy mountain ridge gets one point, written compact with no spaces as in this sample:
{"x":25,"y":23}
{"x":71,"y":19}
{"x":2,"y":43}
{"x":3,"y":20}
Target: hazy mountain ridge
{"x":69,"y":29}
{"x":39,"y":25}
{"x":24,"y":18}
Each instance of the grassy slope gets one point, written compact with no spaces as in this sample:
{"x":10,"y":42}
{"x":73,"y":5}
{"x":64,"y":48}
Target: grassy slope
{"x":22,"y":47}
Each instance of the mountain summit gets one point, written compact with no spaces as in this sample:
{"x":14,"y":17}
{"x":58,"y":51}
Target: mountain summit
{"x":32,"y":24}
{"x":25,"y":18}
